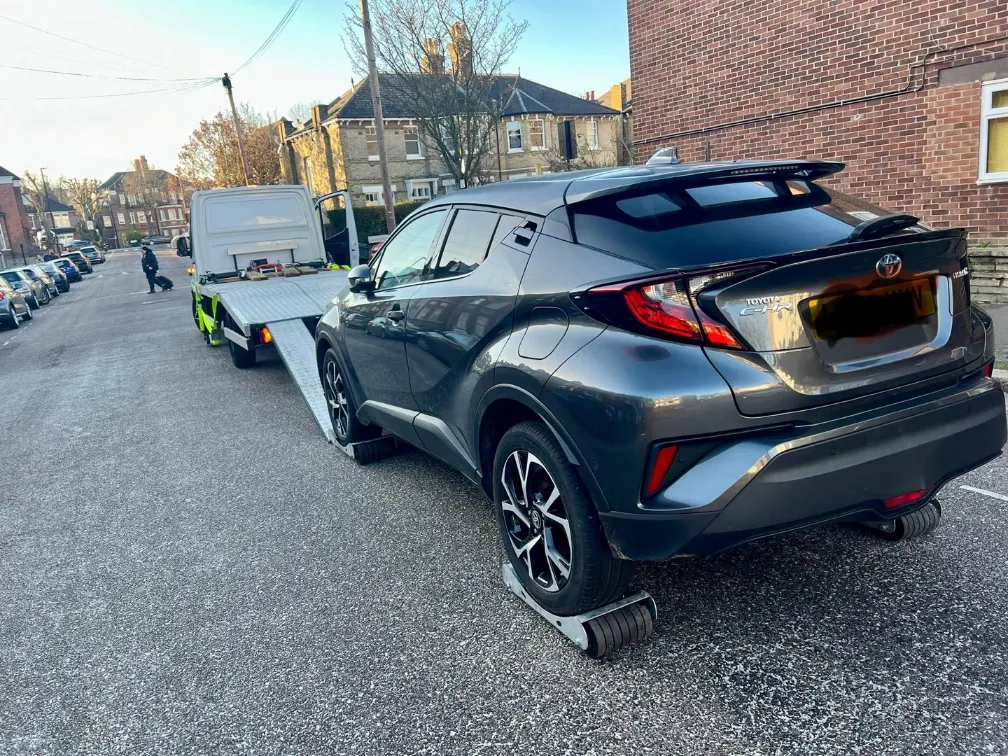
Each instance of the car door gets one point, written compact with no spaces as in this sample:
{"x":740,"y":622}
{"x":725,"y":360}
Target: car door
{"x":459,"y":319}
{"x":374,"y":321}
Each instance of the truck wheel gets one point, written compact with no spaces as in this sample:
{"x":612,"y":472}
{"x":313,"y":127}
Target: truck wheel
{"x":342,"y":408}
{"x":550,"y":526}
{"x":242,"y":358}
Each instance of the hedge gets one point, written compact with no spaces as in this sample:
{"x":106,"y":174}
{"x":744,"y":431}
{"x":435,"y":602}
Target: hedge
{"x":371,"y":220}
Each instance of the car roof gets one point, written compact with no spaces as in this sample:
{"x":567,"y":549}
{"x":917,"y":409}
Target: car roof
{"x":543,"y":194}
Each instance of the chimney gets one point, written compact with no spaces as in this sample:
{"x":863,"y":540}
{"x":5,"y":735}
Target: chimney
{"x":432,"y":61}
{"x":460,"y":51}
{"x":318,"y":114}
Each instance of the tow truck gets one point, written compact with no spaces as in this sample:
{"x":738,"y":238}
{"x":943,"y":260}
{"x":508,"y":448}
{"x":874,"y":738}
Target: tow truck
{"x":266,"y":261}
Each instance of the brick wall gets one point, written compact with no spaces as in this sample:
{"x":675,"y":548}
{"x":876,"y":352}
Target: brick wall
{"x":15,"y":219}
{"x":698,"y":65}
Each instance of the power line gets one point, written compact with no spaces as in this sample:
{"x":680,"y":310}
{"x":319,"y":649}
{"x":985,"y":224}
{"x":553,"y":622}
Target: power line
{"x":83,"y":44}
{"x":174,"y":90}
{"x":101,"y":76}
{"x":277,"y":30}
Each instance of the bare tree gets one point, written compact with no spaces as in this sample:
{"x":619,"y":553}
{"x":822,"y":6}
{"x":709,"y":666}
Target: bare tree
{"x":33,"y":190}
{"x":457,"y":106}
{"x":302,"y":111}
{"x":586,"y":157}
{"x":81,"y":194}
{"x":148,"y":189}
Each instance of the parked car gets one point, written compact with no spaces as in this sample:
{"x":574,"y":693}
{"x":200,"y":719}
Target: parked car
{"x":57,"y":274}
{"x":82,"y":263}
{"x":13,"y":307}
{"x":76,"y":244}
{"x":69,"y":268}
{"x":669,"y":360}
{"x":34,"y":292}
{"x":93,"y":254}
{"x":154,"y":239}
{"x":41,"y":277}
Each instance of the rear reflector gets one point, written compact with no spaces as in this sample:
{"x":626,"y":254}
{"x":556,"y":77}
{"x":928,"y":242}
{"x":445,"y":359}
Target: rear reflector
{"x":663,"y":461}
{"x":908,"y":498}
{"x":988,"y":370}
{"x":265,"y":336}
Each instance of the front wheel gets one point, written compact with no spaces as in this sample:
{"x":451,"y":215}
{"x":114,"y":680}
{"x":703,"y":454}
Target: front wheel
{"x":28,"y":314}
{"x":342,"y":409}
{"x":33,"y":303}
{"x":550,"y":527}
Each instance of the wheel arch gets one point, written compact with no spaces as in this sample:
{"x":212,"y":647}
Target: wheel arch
{"x":504,"y":406}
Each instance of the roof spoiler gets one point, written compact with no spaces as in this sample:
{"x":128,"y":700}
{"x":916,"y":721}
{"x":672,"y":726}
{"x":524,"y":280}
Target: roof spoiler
{"x":623,"y":180}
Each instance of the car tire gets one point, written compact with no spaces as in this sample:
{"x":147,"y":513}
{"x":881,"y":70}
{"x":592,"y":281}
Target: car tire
{"x":48,"y":298}
{"x":555,"y":529}
{"x":28,"y":314}
{"x":242,"y":358}
{"x":15,"y":321}
{"x":33,"y":303}
{"x":342,"y":407}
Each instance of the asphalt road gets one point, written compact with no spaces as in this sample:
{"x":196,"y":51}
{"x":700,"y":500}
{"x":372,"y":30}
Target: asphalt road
{"x":187,"y":568}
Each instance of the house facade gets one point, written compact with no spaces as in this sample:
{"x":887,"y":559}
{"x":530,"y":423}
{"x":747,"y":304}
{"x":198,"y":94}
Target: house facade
{"x":59,"y":216}
{"x":15,"y":232}
{"x":337,"y":148}
{"x":912,"y":96}
{"x":620,"y":97}
{"x":142,"y":200}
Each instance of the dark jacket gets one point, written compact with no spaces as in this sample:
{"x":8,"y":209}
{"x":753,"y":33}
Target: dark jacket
{"x":149,"y":262}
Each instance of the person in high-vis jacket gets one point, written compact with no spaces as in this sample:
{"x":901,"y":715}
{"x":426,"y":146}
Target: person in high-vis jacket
{"x":149,"y":264}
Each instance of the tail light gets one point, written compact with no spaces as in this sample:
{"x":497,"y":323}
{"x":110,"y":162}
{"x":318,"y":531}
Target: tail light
{"x":908,"y":498}
{"x":988,"y":370}
{"x":668,"y":307}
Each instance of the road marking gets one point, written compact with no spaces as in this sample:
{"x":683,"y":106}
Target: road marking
{"x":984,"y":492}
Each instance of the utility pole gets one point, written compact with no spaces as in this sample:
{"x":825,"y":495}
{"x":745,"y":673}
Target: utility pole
{"x":52,"y":220}
{"x":379,"y":118}
{"x":226,"y":81}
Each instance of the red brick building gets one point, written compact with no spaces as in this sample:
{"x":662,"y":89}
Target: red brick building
{"x":15,"y":238}
{"x":911,"y":95}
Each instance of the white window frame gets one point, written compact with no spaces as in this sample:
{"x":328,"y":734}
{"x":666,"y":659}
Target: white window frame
{"x":532,"y":146}
{"x":122,"y":219}
{"x":514,"y":126}
{"x":107,"y":220}
{"x":593,"y":136}
{"x":122,"y":199}
{"x":132,"y":219}
{"x":413,"y":131}
{"x":3,"y":239}
{"x":379,"y":194}
{"x":141,"y":217}
{"x":430,"y":184}
{"x":989,"y":113}
{"x":371,"y":131}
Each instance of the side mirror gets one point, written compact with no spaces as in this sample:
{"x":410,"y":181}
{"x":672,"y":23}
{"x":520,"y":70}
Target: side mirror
{"x":360,"y":279}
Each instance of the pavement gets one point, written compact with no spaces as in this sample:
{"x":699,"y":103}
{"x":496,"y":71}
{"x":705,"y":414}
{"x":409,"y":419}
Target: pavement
{"x":186,"y":567}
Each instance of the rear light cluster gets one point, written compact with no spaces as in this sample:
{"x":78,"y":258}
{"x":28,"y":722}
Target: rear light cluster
{"x":908,"y":498}
{"x":668,"y":308}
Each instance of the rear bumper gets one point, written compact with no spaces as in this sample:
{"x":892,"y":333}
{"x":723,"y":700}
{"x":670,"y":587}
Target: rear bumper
{"x":758,"y":486}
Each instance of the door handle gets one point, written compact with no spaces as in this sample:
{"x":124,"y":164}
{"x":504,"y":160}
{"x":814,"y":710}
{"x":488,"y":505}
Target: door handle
{"x":396,"y":315}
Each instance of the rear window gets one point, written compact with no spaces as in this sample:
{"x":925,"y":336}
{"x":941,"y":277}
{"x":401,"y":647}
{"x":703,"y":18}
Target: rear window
{"x":467,"y":243}
{"x":721,"y":222}
{"x":11,"y":276}
{"x":246,"y":213}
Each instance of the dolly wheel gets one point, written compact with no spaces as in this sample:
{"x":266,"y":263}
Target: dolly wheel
{"x":612,"y":631}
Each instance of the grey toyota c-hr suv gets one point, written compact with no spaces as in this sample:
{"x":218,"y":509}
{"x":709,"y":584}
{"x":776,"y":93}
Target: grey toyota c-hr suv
{"x":646,"y":362}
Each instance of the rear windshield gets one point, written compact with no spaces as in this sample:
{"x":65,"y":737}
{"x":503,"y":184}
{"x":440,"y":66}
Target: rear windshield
{"x":721,"y":222}
{"x":11,"y":276}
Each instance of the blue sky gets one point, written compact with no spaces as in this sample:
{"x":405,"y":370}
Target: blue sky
{"x":570,"y":46}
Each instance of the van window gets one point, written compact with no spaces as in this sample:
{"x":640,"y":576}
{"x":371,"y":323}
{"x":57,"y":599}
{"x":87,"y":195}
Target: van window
{"x":467,"y":243}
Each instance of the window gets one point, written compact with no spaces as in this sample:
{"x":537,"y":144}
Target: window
{"x":375,"y":195}
{"x":514,"y":136}
{"x":309,"y":179}
{"x":131,"y":198}
{"x":106,"y":220}
{"x":122,"y":198}
{"x":164,"y":215}
{"x":592,"y":136}
{"x":372,"y":198}
{"x":133,"y":219}
{"x":141,"y":216}
{"x":740,"y":191}
{"x":537,"y":135}
{"x":371,"y":134}
{"x":405,"y":258}
{"x":994,"y":131}
{"x":122,"y":218}
{"x":411,"y":136}
{"x":3,"y":239}
{"x":467,"y":243}
{"x":420,"y":189}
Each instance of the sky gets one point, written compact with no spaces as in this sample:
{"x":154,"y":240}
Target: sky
{"x":162,"y":47}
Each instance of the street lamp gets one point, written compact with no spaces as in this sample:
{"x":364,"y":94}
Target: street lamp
{"x":107,"y":203}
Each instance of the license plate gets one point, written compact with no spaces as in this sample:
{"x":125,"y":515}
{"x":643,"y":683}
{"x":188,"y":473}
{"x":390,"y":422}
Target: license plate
{"x":872,"y":312}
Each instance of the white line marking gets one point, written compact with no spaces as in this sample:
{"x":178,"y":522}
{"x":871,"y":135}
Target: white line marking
{"x":983,"y":492}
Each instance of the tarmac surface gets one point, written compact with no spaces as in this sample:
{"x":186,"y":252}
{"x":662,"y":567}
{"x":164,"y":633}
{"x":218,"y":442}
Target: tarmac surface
{"x":186,"y":567}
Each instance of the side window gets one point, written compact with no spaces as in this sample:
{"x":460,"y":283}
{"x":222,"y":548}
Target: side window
{"x":406,"y":257}
{"x":467,"y":243}
{"x":507,"y":224}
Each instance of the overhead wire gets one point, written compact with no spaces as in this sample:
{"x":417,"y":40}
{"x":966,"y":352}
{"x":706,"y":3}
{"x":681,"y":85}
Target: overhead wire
{"x":101,"y":76}
{"x":268,"y":42}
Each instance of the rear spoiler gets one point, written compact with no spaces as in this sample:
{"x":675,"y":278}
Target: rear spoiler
{"x":636,"y":178}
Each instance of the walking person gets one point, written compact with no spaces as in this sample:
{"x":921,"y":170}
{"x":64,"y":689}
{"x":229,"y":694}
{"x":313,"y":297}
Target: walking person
{"x":149,"y":263}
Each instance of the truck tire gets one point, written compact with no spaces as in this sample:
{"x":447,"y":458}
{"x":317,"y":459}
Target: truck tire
{"x":550,"y":526}
{"x":242,"y":358}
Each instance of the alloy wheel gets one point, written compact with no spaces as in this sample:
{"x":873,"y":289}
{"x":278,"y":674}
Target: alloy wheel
{"x":536,"y":520}
{"x":339,"y":411}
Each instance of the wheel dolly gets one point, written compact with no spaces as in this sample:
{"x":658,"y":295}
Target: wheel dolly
{"x":600,"y":631}
{"x":366,"y":452}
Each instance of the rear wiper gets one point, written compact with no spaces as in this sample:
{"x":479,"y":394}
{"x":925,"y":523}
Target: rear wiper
{"x":881,"y":226}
